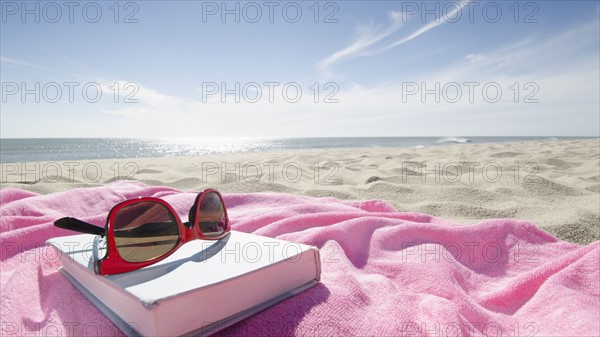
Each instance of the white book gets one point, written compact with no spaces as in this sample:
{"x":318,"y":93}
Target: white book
{"x":203,"y":287}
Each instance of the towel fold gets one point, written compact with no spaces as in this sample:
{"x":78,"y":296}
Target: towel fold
{"x":384,"y":273}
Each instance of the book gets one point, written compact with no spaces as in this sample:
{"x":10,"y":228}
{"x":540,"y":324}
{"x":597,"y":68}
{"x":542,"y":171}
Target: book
{"x":203,"y":287}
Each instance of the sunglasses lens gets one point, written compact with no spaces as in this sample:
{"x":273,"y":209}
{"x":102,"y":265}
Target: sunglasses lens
{"x":144,"y":231}
{"x":211,"y":215}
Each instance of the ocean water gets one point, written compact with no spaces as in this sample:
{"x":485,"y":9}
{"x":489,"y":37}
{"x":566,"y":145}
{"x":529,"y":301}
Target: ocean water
{"x":60,"y":149}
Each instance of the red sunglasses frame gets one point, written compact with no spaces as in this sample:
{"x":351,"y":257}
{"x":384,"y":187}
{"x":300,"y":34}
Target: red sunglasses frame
{"x":113,"y":263}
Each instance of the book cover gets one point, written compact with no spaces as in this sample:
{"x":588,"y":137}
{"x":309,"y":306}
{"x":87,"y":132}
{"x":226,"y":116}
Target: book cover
{"x":203,"y":287}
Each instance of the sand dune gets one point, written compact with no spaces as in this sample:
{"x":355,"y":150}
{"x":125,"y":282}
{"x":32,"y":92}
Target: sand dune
{"x":555,"y":184}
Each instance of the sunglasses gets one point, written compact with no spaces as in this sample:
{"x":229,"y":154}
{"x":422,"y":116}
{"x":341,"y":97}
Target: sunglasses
{"x":145,"y":230}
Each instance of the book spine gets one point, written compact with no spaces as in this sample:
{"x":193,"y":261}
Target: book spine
{"x":317,"y":262}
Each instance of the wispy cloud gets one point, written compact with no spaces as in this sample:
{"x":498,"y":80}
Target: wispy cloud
{"x":367,"y":36}
{"x":555,"y":84}
{"x":10,"y":61}
{"x":427,"y":27}
{"x":372,"y":34}
{"x":562,"y":65}
{"x":26,"y":66}
{"x":63,"y":70}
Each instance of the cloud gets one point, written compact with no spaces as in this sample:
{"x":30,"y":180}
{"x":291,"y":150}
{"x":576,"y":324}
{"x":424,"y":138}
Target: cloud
{"x":65,"y":70}
{"x":15,"y":62}
{"x":27,"y":66}
{"x":367,"y":36}
{"x":555,"y":94}
{"x":558,"y":73}
{"x":372,"y":34}
{"x":427,"y":27}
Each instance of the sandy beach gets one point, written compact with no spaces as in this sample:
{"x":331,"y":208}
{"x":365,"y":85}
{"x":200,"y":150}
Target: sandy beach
{"x":554,"y":184}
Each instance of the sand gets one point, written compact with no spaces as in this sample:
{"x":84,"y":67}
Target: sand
{"x":554,"y":184}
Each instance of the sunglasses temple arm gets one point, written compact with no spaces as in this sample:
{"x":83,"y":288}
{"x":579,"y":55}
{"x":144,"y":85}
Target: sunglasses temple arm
{"x":79,"y":226}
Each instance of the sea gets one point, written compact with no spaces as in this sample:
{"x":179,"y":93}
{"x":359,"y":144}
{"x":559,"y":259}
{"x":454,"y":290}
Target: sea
{"x":64,"y":149}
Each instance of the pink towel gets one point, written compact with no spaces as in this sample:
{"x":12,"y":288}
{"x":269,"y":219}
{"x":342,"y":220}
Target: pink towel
{"x":384,"y":273}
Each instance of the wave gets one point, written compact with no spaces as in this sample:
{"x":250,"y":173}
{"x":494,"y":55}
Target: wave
{"x":455,"y":140}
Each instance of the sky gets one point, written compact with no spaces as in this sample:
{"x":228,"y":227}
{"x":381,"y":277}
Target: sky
{"x":299,"y":69}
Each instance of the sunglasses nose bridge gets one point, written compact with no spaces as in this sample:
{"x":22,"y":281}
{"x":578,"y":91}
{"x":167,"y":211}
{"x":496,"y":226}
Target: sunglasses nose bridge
{"x":192,"y":213}
{"x":190,"y":232}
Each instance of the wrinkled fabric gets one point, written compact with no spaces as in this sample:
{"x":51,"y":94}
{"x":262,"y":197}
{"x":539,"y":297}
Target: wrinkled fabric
{"x":384,"y":273}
